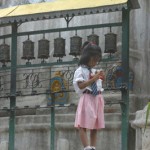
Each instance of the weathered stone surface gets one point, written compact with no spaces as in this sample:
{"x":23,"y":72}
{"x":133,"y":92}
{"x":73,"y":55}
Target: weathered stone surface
{"x":142,"y":135}
{"x":62,"y":144}
{"x":33,"y":131}
{"x":4,"y":145}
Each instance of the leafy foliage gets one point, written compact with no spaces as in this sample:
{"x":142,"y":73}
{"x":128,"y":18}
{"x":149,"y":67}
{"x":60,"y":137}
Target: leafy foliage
{"x":147,"y":115}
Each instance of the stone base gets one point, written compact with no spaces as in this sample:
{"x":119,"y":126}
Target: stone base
{"x":33,"y":131}
{"x":142,"y":135}
{"x":4,"y":145}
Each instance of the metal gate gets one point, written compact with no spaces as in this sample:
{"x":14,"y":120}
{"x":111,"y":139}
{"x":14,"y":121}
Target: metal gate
{"x":14,"y":69}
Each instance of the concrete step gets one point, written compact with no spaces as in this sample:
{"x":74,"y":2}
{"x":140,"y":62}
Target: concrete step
{"x":59,"y":109}
{"x":62,"y":115}
{"x":59,"y":118}
{"x":61,"y":121}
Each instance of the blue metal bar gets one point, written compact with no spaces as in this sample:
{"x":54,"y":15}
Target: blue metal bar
{"x":41,"y":65}
{"x":52,"y":64}
{"x":65,"y":29}
{"x":125,"y":91}
{"x":52,"y":130}
{"x":13,"y":88}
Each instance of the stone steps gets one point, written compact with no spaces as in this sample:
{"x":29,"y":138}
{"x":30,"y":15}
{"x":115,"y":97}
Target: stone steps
{"x":46,"y":111}
{"x":62,"y":115}
{"x":59,"y":118}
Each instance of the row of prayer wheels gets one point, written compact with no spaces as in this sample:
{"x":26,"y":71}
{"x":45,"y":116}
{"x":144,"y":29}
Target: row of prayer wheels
{"x":59,"y":47}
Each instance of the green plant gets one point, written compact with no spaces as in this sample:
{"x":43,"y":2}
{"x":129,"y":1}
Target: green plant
{"x":147,"y":115}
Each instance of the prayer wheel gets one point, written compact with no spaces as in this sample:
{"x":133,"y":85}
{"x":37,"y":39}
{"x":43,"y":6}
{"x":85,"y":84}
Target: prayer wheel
{"x":59,"y":47}
{"x":4,"y":53}
{"x":43,"y":48}
{"x":75,"y":45}
{"x":93,"y":38}
{"x":28,"y":50}
{"x":110,"y":43}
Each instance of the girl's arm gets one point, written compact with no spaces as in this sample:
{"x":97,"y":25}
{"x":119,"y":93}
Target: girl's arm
{"x":84,"y":84}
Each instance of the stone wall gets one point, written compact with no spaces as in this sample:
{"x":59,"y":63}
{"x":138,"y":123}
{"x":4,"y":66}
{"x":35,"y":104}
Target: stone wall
{"x":140,"y":48}
{"x":33,"y":130}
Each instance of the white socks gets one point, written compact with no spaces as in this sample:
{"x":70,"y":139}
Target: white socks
{"x":93,"y":147}
{"x":89,"y":148}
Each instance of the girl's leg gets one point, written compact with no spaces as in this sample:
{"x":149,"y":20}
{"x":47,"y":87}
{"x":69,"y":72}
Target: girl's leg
{"x":93,"y":137}
{"x":83,"y":137}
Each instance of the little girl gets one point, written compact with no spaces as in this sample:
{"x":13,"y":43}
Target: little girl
{"x":90,"y":111}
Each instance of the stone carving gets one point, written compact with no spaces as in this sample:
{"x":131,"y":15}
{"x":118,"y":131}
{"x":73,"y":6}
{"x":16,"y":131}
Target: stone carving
{"x":143,"y":136}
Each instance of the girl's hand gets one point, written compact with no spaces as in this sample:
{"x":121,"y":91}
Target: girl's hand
{"x":101,"y":74}
{"x":96,"y":76}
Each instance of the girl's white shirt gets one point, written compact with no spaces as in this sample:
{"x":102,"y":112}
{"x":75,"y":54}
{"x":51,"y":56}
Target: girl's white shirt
{"x":82,"y":74}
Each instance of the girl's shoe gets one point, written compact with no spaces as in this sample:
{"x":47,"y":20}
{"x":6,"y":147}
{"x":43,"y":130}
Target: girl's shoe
{"x":88,"y":148}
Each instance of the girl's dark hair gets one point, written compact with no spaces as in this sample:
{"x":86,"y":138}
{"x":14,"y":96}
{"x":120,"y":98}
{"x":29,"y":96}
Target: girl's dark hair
{"x":89,"y":50}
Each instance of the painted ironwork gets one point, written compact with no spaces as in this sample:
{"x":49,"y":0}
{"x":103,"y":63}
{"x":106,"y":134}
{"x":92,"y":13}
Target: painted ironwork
{"x":105,"y":25}
{"x":13,"y":88}
{"x":125,"y":90}
{"x":34,"y":80}
{"x":31,"y":80}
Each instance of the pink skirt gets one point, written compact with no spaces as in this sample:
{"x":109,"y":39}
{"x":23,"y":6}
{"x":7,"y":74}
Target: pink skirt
{"x":90,"y":112}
